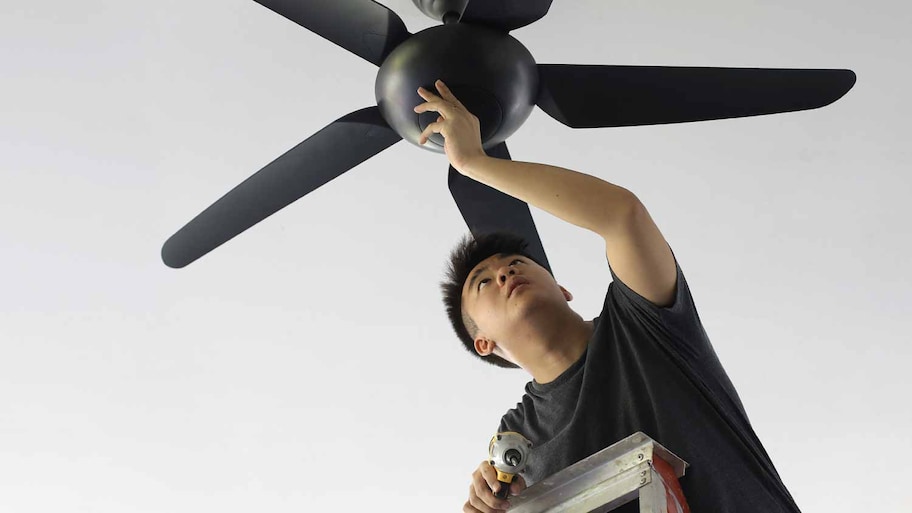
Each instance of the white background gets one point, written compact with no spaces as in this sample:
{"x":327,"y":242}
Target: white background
{"x":307,"y":365}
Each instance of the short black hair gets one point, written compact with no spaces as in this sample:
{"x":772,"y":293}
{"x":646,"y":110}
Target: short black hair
{"x":468,"y":253}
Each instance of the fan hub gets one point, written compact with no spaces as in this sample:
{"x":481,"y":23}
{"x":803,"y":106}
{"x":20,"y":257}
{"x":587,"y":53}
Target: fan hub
{"x":489,"y":71}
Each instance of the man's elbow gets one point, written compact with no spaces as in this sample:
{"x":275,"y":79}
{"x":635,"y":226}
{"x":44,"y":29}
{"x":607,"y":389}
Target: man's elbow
{"x":622,"y":206}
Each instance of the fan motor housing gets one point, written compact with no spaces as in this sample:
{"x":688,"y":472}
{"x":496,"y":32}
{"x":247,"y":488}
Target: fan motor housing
{"x":489,"y":71}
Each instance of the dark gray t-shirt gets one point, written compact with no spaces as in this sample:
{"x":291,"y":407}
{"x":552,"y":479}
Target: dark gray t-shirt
{"x":652,"y":369}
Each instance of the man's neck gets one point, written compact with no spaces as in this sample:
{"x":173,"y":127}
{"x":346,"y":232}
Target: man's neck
{"x":555,"y":344}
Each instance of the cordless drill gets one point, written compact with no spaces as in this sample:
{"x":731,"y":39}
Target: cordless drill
{"x":508,"y":453}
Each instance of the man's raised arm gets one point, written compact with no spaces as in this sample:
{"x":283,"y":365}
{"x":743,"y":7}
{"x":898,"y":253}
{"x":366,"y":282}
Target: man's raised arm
{"x":578,"y":198}
{"x":636,"y":250}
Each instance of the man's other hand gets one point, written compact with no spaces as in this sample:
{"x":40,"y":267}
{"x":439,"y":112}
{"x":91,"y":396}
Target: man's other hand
{"x":481,"y":491}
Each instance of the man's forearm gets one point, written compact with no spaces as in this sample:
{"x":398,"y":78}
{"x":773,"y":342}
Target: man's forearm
{"x":578,"y":198}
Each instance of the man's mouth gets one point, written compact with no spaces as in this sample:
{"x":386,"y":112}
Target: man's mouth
{"x":515,"y":288}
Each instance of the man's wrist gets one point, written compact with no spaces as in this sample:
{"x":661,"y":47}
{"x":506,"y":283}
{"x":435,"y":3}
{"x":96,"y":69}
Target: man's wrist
{"x":472,"y":166}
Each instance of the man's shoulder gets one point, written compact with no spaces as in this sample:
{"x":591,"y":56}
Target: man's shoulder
{"x":512,"y":420}
{"x":515,"y":417}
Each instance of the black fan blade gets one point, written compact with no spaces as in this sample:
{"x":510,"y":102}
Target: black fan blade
{"x":591,"y":96}
{"x":340,"y":146}
{"x":487,"y":210}
{"x":505,"y":15}
{"x":363,"y":27}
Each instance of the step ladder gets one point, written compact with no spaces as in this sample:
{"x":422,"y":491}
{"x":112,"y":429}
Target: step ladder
{"x":635,"y":467}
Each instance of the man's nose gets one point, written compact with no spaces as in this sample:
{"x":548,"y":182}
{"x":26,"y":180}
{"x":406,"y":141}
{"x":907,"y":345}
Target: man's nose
{"x":503,"y":276}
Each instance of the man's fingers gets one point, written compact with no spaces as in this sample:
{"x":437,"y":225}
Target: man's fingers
{"x":444,"y":108}
{"x":518,"y":485}
{"x":432,"y":101}
{"x":482,"y":491}
{"x":490,"y":476}
{"x":440,"y":103}
{"x":446,"y":93}
{"x":430,"y":129}
{"x":483,"y":504}
{"x":485,"y":486}
{"x":424,"y":93}
{"x":477,"y":504}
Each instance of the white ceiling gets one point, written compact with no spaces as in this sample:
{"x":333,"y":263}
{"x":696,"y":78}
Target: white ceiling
{"x":308,"y":365}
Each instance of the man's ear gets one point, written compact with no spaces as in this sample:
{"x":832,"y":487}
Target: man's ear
{"x":484,"y":347}
{"x":567,"y":295}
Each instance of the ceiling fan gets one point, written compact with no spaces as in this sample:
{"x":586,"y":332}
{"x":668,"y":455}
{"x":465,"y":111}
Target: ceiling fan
{"x":497,"y":80}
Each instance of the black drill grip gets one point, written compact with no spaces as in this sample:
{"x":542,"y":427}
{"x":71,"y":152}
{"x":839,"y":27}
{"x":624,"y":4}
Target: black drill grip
{"x":503,"y":491}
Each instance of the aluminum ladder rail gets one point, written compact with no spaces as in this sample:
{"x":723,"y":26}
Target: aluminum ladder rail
{"x":636,"y":466}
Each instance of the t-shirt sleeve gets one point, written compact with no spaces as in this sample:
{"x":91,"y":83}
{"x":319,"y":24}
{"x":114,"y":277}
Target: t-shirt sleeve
{"x":678,"y":323}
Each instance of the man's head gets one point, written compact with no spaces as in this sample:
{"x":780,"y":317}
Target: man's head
{"x":481,"y":300}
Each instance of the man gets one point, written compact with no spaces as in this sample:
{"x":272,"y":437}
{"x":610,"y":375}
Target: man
{"x":644,"y":364}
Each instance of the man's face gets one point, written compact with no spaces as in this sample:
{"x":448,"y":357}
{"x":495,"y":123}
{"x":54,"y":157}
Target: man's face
{"x":502,"y":292}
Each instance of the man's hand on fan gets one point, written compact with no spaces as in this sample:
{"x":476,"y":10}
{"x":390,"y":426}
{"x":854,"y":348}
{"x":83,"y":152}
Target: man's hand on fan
{"x":459,"y":127}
